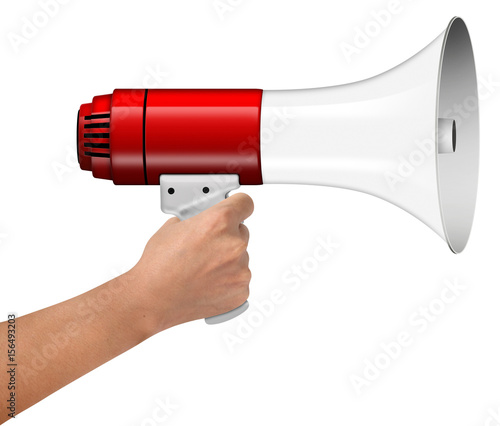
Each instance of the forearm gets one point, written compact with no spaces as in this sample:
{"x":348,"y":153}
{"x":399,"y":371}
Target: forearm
{"x":189,"y":270}
{"x":61,"y":343}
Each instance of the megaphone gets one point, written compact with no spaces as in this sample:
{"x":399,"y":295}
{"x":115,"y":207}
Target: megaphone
{"x":409,"y":136}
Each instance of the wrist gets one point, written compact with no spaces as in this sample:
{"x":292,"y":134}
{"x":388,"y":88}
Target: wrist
{"x":132,"y":306}
{"x":149,"y":311}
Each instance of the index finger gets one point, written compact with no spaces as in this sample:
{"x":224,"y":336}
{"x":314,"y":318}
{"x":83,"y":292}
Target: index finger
{"x":240,"y":204}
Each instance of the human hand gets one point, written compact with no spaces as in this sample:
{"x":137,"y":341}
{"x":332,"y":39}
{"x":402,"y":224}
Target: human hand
{"x":197,"y":268}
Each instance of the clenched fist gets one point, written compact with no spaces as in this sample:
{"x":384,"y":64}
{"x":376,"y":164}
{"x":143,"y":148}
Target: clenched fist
{"x":197,"y":268}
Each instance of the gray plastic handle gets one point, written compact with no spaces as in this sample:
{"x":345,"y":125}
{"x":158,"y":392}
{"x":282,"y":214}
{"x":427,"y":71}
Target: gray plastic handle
{"x":187,"y":195}
{"x":217,"y":319}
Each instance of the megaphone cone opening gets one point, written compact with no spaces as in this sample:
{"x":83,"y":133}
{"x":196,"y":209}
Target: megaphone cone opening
{"x":457,"y":103}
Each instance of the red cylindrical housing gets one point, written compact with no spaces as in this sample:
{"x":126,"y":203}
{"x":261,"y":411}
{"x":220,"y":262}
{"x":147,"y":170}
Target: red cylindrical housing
{"x":135,"y":135}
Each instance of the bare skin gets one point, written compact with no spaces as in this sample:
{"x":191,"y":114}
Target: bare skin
{"x":189,"y":270}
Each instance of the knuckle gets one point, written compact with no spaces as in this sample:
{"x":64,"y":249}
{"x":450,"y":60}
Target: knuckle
{"x":226,"y":212}
{"x":246,"y":276}
{"x":245,"y":294}
{"x":241,"y":245}
{"x":219,"y":221}
{"x":250,"y":202}
{"x":215,"y":223}
{"x":238,"y":249}
{"x":244,"y":232}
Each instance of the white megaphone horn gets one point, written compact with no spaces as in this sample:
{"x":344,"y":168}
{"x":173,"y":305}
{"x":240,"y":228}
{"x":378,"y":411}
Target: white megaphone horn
{"x":409,"y":136}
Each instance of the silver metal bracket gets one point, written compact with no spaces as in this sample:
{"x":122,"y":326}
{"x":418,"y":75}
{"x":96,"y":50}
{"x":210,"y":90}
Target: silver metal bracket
{"x":187,"y":195}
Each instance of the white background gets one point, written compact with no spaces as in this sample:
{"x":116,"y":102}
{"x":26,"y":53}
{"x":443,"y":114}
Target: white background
{"x":63,"y":232}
